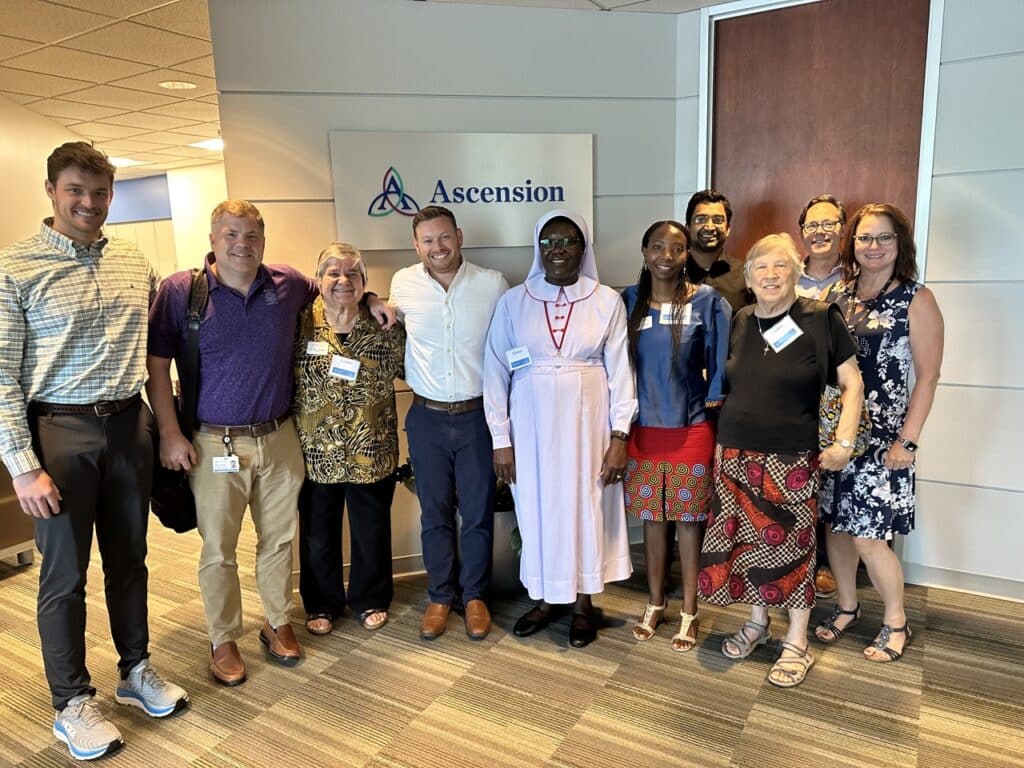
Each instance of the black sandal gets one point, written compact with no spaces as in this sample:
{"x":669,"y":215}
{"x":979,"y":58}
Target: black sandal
{"x":314,"y":627}
{"x":829,"y":625}
{"x":882,"y":643}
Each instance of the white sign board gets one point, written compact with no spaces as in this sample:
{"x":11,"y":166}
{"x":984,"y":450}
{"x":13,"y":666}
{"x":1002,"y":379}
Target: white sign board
{"x":496,"y":184}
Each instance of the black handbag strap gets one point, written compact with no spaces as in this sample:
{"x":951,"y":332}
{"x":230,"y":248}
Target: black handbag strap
{"x":188,"y":365}
{"x":822,"y":342}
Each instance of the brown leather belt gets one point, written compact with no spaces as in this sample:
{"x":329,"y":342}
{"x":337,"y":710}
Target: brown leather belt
{"x":102,"y":408}
{"x":245,"y":430}
{"x":460,"y":406}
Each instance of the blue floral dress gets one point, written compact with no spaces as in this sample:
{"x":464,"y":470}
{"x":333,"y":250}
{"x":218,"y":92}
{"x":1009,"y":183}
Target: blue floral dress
{"x":865,"y":499}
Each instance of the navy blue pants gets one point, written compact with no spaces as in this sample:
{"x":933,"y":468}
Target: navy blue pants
{"x":453,"y":464}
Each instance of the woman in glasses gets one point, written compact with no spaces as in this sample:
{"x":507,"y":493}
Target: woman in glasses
{"x":898,"y":327}
{"x":678,"y":341}
{"x":559,"y":398}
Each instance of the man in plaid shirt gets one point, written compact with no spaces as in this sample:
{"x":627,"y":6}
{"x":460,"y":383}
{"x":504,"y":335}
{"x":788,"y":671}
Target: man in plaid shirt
{"x":75,"y":437}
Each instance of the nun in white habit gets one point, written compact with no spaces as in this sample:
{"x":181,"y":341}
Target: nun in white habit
{"x":559,"y":397}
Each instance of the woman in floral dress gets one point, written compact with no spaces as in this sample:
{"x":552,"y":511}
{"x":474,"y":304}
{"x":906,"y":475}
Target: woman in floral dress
{"x":898,"y":327}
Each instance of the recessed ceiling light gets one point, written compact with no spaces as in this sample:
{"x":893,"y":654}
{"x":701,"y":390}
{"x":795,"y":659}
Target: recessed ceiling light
{"x":214,"y":145}
{"x":178,"y":85}
{"x":124,"y":162}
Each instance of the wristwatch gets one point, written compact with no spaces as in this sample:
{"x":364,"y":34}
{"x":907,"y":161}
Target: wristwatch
{"x":910,"y":445}
{"x":845,"y":444}
{"x":623,"y":436}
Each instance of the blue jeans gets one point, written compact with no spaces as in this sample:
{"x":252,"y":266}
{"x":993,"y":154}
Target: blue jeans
{"x":453,"y":464}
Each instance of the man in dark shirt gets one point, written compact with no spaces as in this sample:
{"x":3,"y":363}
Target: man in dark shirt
{"x":708,"y":217}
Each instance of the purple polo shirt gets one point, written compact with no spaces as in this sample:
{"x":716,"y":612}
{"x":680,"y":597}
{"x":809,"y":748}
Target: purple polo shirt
{"x":245,"y":342}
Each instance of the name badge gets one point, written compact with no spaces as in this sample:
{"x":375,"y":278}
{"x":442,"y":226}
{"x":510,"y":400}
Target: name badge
{"x":782,"y":334}
{"x":688,"y":314}
{"x":647,"y":322}
{"x":518,"y":358}
{"x":317,"y":348}
{"x":665,"y":318}
{"x":344,"y":368}
{"x":225,"y":463}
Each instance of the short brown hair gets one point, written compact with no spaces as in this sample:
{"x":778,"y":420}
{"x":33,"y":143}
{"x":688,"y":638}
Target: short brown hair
{"x":905,"y":268}
{"x":432,"y":212}
{"x":241,"y":208}
{"x":823,"y":199}
{"x":80,"y":154}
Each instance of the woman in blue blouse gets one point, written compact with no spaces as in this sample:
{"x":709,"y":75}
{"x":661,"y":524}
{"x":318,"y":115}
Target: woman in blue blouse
{"x":678,"y":342}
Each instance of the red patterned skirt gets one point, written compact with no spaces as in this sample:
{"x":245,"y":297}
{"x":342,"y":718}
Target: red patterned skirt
{"x":759,"y":546}
{"x":668,"y":474}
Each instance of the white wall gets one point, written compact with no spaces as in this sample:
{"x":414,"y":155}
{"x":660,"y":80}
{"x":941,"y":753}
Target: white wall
{"x":194,"y":193}
{"x":154,"y":238}
{"x":26,"y":140}
{"x":971,"y":489}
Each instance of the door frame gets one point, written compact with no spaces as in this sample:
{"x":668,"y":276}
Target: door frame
{"x":709,"y":16}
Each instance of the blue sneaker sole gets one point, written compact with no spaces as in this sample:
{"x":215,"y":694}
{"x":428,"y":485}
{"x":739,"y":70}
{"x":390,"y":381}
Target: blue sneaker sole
{"x":132,"y":699}
{"x":85,"y":754}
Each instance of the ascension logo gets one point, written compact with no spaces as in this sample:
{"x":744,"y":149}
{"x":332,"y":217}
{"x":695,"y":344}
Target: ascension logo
{"x":392,"y":197}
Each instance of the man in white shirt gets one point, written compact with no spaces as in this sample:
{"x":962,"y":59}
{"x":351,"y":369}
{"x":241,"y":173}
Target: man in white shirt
{"x":446,"y":304}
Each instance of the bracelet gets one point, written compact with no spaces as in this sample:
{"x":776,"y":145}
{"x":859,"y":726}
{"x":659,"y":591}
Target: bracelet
{"x":623,"y":436}
{"x":909,"y":445}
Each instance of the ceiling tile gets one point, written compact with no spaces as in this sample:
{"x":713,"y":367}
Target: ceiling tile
{"x":34,"y":83}
{"x":190,"y":163}
{"x":206,"y":130}
{"x":169,"y":138}
{"x":212,"y":99}
{"x":12,"y":46}
{"x":115,"y":8}
{"x":148,"y":157}
{"x":148,"y":121}
{"x":195,"y":110}
{"x":202,"y":66}
{"x":150,"y":81}
{"x":71,"y":109}
{"x":670,"y":6}
{"x":119,"y":146}
{"x":190,"y":17}
{"x":19,"y":98}
{"x":184,"y":151}
{"x":124,"y":98}
{"x":45,"y":22}
{"x":136,"y":42}
{"x":103,"y":131}
{"x":56,"y":60}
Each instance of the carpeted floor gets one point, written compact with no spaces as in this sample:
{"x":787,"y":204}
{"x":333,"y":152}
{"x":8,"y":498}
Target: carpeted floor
{"x":387,"y":699}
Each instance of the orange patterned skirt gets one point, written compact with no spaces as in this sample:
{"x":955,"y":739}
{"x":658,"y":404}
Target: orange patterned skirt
{"x":668,"y":474}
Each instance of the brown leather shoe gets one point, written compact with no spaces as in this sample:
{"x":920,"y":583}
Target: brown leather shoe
{"x":824,"y":583}
{"x":435,"y":621}
{"x":478,"y":619}
{"x":226,"y":664}
{"x":281,"y":643}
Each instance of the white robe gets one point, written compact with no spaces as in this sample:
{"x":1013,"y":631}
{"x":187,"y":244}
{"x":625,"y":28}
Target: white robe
{"x":558,"y":413}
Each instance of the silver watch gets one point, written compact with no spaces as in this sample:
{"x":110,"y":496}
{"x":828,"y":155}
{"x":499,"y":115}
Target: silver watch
{"x":845,"y":444}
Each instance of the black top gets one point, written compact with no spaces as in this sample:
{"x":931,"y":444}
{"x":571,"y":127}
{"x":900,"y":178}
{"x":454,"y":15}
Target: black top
{"x":725,"y":275}
{"x":774,"y":398}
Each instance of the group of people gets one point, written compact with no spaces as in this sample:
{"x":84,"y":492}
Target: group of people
{"x":690,"y":401}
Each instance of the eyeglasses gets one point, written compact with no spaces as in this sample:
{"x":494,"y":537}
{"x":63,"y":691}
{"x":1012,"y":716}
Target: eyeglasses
{"x":548,"y":243}
{"x":701,"y":219}
{"x":884,"y":239}
{"x":825,"y":226}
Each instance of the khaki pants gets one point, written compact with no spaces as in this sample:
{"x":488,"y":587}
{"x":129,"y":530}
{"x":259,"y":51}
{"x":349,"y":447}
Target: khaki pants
{"x":271,"y":470}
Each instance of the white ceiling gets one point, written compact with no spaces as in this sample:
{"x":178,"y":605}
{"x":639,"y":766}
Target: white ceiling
{"x":48,"y":62}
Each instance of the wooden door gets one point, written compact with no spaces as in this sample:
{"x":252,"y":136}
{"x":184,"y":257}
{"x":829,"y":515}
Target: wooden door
{"x":817,"y":98}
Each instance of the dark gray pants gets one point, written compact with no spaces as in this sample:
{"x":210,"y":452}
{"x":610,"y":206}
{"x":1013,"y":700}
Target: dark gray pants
{"x":103,"y":466}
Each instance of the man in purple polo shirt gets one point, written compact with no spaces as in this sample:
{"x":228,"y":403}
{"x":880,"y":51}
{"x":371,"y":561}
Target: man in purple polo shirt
{"x":246,"y":450}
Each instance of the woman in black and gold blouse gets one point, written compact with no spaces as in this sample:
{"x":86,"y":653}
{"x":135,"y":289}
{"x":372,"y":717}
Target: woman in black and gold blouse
{"x":345,"y":367}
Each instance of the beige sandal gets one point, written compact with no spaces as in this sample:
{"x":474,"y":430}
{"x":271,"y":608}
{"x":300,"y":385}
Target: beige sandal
{"x":643,"y":630}
{"x":790,"y":671}
{"x":682,"y":640}
{"x":744,"y":645}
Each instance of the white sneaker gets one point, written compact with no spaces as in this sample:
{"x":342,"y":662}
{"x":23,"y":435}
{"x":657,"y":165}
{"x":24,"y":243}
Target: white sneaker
{"x":145,"y":689}
{"x":85,"y":730}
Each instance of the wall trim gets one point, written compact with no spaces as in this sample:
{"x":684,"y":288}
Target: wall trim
{"x":929,"y":117}
{"x":961,"y":581}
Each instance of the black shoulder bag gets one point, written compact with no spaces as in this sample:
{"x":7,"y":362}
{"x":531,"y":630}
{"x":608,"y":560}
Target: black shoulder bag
{"x":171,"y":497}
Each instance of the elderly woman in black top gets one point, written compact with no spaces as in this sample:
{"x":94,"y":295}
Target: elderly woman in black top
{"x":760,"y":544}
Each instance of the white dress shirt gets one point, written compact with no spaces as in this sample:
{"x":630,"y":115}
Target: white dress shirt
{"x":446,"y":330}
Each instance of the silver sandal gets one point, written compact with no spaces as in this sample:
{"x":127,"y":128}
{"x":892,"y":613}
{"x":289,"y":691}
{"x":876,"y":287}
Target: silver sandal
{"x":745,"y":645}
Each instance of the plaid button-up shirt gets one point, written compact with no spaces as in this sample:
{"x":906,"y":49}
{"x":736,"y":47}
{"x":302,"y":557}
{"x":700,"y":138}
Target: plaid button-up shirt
{"x":73,"y":322}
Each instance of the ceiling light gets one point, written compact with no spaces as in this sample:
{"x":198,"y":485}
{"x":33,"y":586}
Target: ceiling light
{"x":178,"y":85}
{"x":214,"y":145}
{"x":124,"y":162}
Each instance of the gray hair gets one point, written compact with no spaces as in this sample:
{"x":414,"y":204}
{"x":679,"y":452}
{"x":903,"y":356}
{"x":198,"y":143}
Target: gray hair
{"x":336,"y":252}
{"x":769,"y":243}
